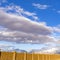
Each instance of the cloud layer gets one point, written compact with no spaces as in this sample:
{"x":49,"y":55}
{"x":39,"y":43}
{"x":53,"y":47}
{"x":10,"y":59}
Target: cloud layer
{"x":22,"y":29}
{"x":18,"y":28}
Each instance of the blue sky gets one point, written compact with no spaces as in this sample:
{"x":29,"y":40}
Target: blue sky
{"x":30,"y":24}
{"x":50,"y":15}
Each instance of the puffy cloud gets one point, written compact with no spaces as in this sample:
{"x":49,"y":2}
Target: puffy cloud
{"x":23,"y":30}
{"x":40,"y":6}
{"x":22,"y":37}
{"x":23,"y":24}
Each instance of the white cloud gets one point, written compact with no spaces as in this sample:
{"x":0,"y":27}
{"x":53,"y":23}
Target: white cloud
{"x":21,"y":37}
{"x":23,"y":30}
{"x":4,"y":47}
{"x":23,"y":24}
{"x":19,"y":28}
{"x":40,"y":6}
{"x":14,"y":9}
{"x":52,"y":47}
{"x":49,"y":48}
{"x":45,"y":50}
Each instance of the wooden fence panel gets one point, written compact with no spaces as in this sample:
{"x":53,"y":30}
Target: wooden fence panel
{"x":6,"y":56}
{"x":35,"y":56}
{"x":29,"y":56}
{"x":19,"y":56}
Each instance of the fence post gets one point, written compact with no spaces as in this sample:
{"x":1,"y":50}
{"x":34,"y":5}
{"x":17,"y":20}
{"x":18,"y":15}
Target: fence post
{"x":43,"y":57}
{"x":14,"y":55}
{"x":25,"y":55}
{"x":32,"y":56}
{"x":49,"y":57}
{"x":38,"y":56}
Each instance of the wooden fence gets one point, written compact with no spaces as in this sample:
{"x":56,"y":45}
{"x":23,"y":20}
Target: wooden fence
{"x":27,"y":56}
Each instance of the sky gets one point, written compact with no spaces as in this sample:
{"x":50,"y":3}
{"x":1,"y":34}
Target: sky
{"x":30,"y":24}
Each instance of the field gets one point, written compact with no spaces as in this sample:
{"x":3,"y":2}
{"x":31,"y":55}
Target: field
{"x":27,"y":56}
